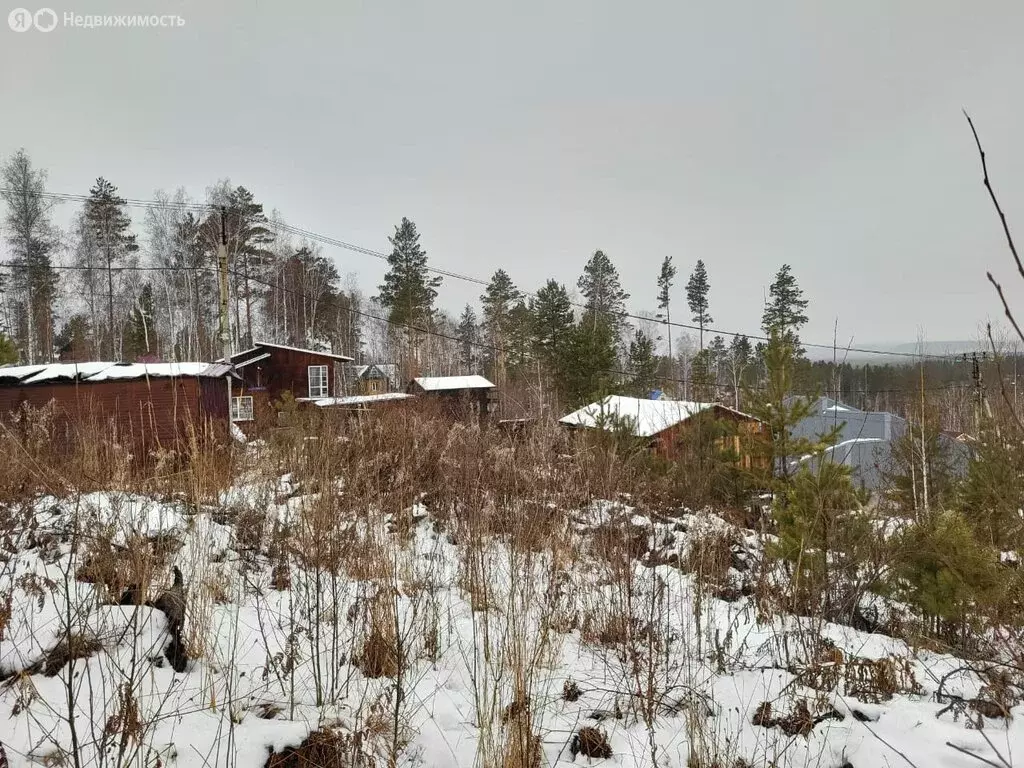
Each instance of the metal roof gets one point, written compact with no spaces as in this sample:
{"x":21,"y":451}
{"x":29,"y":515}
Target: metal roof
{"x":95,"y":371}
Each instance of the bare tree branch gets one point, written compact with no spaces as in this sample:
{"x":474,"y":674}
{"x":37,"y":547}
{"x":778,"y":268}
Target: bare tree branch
{"x":995,"y":201}
{"x":976,"y":756}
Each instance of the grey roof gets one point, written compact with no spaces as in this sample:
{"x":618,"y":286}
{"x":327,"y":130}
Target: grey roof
{"x":865,"y":441}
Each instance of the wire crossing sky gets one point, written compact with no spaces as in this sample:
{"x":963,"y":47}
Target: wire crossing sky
{"x":826,"y":136}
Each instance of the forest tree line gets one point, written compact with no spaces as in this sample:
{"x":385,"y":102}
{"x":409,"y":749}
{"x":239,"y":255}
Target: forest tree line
{"x":137,"y":280}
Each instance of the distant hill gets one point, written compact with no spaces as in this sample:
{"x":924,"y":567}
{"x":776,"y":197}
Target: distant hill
{"x":945,"y":348}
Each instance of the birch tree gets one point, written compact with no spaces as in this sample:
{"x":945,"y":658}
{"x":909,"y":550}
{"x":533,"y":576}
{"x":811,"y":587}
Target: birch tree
{"x":32,"y":237}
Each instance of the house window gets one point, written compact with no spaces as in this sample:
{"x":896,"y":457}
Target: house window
{"x":241,"y":408}
{"x":318,"y":381}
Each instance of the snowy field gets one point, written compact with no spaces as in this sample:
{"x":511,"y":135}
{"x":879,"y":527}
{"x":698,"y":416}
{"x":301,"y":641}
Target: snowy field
{"x":417,"y":640}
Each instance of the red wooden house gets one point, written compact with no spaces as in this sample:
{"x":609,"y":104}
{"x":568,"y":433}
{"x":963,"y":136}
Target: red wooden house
{"x":664,"y":424}
{"x":269,"y":372}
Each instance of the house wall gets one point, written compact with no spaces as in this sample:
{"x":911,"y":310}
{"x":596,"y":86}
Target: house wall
{"x":853,"y":425}
{"x":158,"y":412}
{"x":460,"y":403}
{"x":667,"y":442}
{"x":865,"y":443}
{"x":286,"y":371}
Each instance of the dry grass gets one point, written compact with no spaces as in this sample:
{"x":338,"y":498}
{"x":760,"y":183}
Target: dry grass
{"x":324,"y":748}
{"x":354,"y":512}
{"x":380,"y":654}
{"x":591,"y":742}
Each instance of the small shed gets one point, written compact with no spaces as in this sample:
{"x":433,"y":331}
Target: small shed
{"x":145,"y":405}
{"x":372,"y":379}
{"x":664,"y":423}
{"x":461,"y":396}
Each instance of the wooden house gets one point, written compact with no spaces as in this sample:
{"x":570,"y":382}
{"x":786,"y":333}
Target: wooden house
{"x":666,"y":424}
{"x":460,"y":396}
{"x":269,"y":373}
{"x":141,"y":405}
{"x":372,"y":379}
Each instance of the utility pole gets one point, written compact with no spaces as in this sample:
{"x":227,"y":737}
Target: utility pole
{"x":225,"y":336}
{"x":981,"y":406}
{"x":222,"y":267}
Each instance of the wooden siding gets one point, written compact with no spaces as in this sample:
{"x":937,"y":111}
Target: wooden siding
{"x":741,"y":440}
{"x":460,"y":403}
{"x":286,"y":370}
{"x":146,"y":413}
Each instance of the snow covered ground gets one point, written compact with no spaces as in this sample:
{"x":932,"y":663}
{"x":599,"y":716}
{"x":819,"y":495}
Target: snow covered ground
{"x":436,"y":649}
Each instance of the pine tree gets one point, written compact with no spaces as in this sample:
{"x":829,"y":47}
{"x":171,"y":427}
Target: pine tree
{"x":604,"y":296}
{"x":697,"y":289}
{"x":8,"y":350}
{"x":665,"y":280}
{"x":498,"y":301}
{"x":740,"y":353}
{"x":588,"y":362}
{"x":822,"y":533}
{"x":598,"y":336}
{"x":32,"y":238}
{"x":994,"y":487}
{"x":139,"y":337}
{"x":73,"y":341}
{"x":780,"y":413}
{"x":469,"y":339}
{"x":520,"y":338}
{"x":552,"y":317}
{"x":552,"y":321}
{"x":717,"y":356}
{"x":111,"y":230}
{"x":408,"y":291}
{"x":784,"y":311}
{"x":643,"y":365}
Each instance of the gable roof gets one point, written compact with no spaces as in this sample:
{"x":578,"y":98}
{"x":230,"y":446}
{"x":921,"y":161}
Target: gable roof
{"x":647,"y":417}
{"x":448,"y":383}
{"x":249,"y":355}
{"x":385,"y":370}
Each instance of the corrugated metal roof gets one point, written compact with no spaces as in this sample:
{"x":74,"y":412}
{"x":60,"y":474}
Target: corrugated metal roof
{"x":59,"y":371}
{"x":19,"y":372}
{"x":143,"y":370}
{"x":107,"y":371}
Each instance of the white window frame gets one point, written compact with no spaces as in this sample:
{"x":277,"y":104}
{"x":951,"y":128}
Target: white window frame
{"x":322,"y":386}
{"x":240,"y":413}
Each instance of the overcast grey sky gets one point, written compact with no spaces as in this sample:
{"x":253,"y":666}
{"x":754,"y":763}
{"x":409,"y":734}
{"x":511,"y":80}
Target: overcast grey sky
{"x":526,"y":135}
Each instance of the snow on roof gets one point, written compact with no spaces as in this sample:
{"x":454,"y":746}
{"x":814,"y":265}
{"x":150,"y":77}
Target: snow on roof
{"x":360,"y":399}
{"x":648,"y":417}
{"x":67,"y":371}
{"x":441,"y":383}
{"x":19,"y":371}
{"x":141,"y":370}
{"x":106,"y":371}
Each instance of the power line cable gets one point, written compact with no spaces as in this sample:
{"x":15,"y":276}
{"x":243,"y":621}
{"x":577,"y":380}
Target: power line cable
{"x":327,"y":240}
